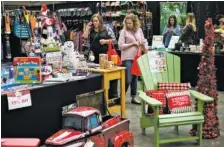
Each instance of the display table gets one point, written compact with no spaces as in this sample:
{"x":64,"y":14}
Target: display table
{"x":189,"y":65}
{"x":113,"y":74}
{"x":43,"y":118}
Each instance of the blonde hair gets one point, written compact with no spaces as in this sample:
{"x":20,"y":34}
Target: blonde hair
{"x":191,"y":20}
{"x":100,"y":18}
{"x":135,"y":20}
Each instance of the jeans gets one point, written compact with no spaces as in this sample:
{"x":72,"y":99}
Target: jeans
{"x":129,"y":78}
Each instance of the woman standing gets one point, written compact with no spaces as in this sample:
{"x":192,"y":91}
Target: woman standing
{"x":131,"y":39}
{"x":100,"y":36}
{"x":171,"y":29}
{"x":189,"y":30}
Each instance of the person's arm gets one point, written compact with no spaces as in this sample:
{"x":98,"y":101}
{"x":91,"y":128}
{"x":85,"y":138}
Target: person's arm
{"x":165,"y":30}
{"x":86,"y":32}
{"x":121,"y":41}
{"x":176,"y":31}
{"x":111,"y":36}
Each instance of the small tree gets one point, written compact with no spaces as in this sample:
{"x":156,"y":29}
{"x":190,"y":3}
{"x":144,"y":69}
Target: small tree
{"x":206,"y":84}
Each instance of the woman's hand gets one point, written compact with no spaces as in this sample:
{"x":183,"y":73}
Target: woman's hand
{"x":103,"y":41}
{"x":135,"y":44}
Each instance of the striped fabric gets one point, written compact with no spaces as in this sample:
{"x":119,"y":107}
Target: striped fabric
{"x":173,"y":86}
{"x":182,"y":109}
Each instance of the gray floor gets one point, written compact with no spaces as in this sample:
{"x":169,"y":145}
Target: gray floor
{"x":133,"y":113}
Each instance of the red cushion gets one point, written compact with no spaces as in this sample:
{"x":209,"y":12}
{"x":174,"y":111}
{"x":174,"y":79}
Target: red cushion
{"x":179,"y":101}
{"x":20,"y":142}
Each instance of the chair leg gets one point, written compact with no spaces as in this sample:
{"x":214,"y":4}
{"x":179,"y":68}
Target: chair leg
{"x":143,"y":131}
{"x":199,"y":131}
{"x":156,"y":132}
{"x":176,"y":129}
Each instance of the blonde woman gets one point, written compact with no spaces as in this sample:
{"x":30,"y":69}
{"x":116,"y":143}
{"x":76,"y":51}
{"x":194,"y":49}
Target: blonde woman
{"x":189,"y":29}
{"x":130,"y":40}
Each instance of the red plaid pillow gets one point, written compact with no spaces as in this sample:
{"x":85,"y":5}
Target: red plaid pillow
{"x":179,"y":102}
{"x":174,"y":86}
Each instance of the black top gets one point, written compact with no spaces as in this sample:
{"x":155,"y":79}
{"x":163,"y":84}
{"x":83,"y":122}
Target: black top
{"x":187,"y":34}
{"x":95,"y":45}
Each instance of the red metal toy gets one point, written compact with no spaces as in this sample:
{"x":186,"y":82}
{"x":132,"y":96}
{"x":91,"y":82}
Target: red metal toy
{"x":84,"y":126}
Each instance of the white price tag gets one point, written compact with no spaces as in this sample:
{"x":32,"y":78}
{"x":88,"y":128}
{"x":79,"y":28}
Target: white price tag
{"x":19,"y":99}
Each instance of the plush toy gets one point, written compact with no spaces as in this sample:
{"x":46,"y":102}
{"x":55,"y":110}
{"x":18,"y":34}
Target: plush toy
{"x":70,"y":58}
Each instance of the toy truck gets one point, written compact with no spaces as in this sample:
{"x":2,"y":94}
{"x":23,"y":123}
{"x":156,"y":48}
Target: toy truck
{"x":85,"y":127}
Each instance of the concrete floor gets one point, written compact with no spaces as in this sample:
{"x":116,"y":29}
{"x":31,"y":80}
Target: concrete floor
{"x":134,"y":113}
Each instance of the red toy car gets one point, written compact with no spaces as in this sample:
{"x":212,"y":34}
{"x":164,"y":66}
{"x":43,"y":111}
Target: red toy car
{"x":84,"y":126}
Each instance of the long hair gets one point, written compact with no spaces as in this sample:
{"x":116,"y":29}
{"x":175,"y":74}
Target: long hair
{"x":135,"y":20}
{"x":191,"y":20}
{"x":175,"y":21}
{"x":100,"y":18}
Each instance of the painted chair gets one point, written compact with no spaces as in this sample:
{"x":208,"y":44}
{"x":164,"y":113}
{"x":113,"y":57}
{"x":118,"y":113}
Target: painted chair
{"x":150,"y":82}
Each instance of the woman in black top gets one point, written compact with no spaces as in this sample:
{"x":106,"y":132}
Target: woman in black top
{"x":189,"y":30}
{"x":99,"y":37}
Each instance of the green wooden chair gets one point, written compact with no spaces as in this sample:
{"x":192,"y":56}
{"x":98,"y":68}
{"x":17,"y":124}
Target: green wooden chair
{"x":150,"y":81}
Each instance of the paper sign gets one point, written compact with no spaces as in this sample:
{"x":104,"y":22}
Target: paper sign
{"x":157,"y":41}
{"x":157,"y":62}
{"x":19,"y":99}
{"x":173,"y":41}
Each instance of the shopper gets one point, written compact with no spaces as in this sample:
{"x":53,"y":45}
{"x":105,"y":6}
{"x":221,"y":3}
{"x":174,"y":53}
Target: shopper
{"x":130,"y":40}
{"x":99,"y":36}
{"x":189,"y":30}
{"x":171,"y":29}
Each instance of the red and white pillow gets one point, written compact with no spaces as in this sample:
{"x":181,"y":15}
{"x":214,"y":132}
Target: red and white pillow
{"x":179,"y":102}
{"x":173,"y":86}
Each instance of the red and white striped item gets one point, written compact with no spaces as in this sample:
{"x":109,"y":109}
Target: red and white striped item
{"x":179,"y":102}
{"x":173,"y":86}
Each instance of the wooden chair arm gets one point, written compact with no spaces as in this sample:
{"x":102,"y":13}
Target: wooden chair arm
{"x":149,"y":100}
{"x":200,"y":96}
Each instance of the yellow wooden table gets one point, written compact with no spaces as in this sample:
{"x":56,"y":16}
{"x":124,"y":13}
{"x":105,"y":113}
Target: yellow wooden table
{"x":113,"y":74}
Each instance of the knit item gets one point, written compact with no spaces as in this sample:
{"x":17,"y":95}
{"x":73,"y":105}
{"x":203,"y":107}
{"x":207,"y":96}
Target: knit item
{"x":174,"y":86}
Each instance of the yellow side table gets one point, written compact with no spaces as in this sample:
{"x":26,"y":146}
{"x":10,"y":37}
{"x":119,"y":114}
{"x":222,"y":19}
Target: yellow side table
{"x":113,"y":74}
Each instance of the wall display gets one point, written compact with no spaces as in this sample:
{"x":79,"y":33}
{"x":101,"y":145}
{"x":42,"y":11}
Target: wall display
{"x":158,"y":62}
{"x":19,"y":99}
{"x":27,"y":69}
{"x":179,"y":9}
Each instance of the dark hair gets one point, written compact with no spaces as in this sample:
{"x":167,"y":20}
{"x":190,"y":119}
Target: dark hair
{"x":100,"y":18}
{"x":175,"y":21}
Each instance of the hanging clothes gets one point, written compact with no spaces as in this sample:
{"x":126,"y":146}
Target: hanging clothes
{"x":7,"y":24}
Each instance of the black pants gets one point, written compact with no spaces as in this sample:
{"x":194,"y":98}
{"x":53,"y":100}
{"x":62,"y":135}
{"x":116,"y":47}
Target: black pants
{"x":113,"y":89}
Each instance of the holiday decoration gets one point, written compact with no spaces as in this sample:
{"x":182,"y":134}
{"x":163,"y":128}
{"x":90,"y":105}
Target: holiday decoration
{"x":206,"y":84}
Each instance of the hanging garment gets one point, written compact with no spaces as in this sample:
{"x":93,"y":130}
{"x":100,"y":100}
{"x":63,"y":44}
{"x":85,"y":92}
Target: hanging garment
{"x":7,"y":24}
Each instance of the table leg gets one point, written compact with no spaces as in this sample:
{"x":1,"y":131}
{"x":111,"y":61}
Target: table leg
{"x":123,"y":99}
{"x":106,"y":88}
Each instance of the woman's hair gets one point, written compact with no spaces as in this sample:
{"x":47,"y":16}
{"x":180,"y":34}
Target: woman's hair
{"x":191,"y":19}
{"x":175,"y":21}
{"x":100,"y":18}
{"x":135,"y":20}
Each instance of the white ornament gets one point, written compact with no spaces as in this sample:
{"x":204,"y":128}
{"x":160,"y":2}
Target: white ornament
{"x":91,"y":57}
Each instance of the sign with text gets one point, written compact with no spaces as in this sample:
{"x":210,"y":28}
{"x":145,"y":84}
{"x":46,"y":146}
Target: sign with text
{"x":157,"y":62}
{"x":179,"y":101}
{"x":157,"y":41}
{"x":19,"y":99}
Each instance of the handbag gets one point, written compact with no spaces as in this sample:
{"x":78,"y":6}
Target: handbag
{"x":135,"y":68}
{"x":111,"y":51}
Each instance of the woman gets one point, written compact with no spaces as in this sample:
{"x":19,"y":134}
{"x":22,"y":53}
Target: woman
{"x":100,"y":36}
{"x":170,"y":29}
{"x":189,"y":30}
{"x":131,"y":39}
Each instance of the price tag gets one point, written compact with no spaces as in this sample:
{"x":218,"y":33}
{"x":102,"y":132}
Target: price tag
{"x":19,"y":99}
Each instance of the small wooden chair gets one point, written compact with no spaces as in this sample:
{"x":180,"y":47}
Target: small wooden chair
{"x":150,"y":82}
{"x":20,"y":142}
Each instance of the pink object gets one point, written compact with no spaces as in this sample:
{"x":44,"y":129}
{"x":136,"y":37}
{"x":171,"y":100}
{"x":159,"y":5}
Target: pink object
{"x":20,"y":142}
{"x":127,"y":37}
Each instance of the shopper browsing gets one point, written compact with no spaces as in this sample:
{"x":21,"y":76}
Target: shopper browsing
{"x":99,"y":36}
{"x":171,"y":29}
{"x":189,"y":30}
{"x":130,"y":40}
